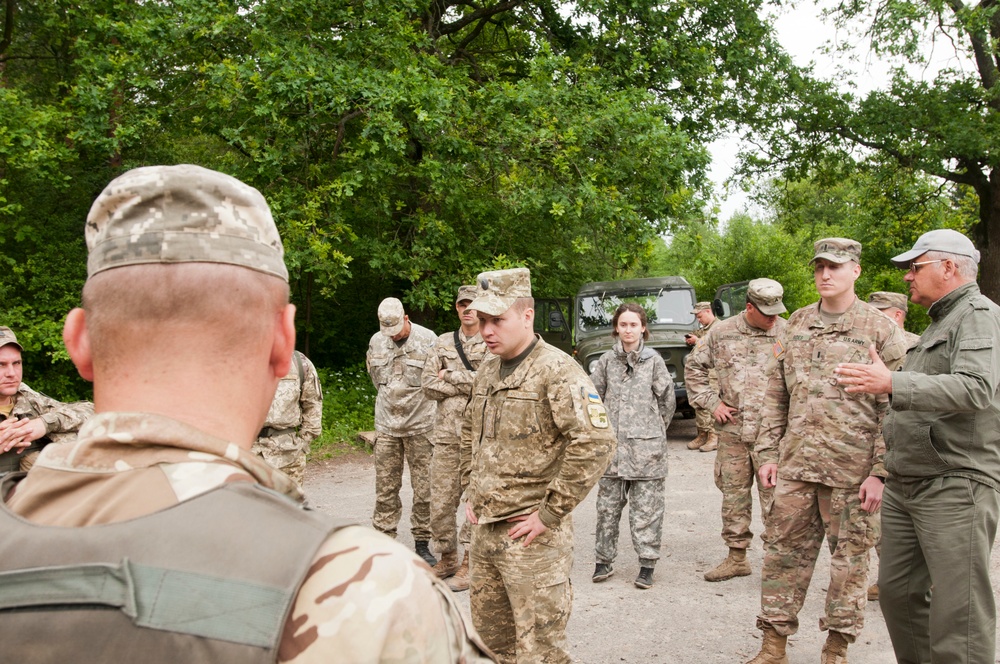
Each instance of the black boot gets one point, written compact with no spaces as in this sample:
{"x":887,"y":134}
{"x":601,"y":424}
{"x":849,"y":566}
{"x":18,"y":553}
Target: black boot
{"x":645,"y":578}
{"x":602,"y":572}
{"x":424,"y":552}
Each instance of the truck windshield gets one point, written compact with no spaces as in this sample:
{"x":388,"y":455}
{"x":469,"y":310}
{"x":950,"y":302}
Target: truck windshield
{"x":663,"y":307}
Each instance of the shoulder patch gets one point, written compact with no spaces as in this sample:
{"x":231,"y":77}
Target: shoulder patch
{"x":778,"y":349}
{"x":596,"y":412}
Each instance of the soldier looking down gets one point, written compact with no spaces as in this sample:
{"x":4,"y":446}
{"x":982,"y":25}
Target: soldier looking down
{"x":707,"y":440}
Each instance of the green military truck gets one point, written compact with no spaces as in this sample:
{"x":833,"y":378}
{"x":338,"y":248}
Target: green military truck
{"x":667,"y":301}
{"x":730,"y":299}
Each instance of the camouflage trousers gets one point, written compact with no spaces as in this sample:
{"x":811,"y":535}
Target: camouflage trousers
{"x":446,"y":494}
{"x":735,"y":475}
{"x":801,"y":514}
{"x":283,"y":452}
{"x":645,"y":517}
{"x":703,"y":418}
{"x":390,"y":452}
{"x":521,"y":596}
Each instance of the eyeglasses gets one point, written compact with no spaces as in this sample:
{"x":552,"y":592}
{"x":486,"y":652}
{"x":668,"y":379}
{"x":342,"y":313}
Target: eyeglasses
{"x":915,"y":267}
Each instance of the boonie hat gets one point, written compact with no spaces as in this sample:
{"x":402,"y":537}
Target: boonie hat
{"x":466,"y":293}
{"x":766,"y":295}
{"x":943,"y":239}
{"x":837,"y":250}
{"x":499,"y":289}
{"x":701,"y":306}
{"x":182,"y":214}
{"x":887,"y":300}
{"x":391,"y":316}
{"x":7,"y":338}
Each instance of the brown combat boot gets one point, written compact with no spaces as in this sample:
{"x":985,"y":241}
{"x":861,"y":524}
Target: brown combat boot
{"x":835,"y":649}
{"x":735,"y":564}
{"x":699,"y":440}
{"x":772,"y":651}
{"x":447,"y":565}
{"x":873,"y":592}
{"x":460,"y":581}
{"x":711,"y":444}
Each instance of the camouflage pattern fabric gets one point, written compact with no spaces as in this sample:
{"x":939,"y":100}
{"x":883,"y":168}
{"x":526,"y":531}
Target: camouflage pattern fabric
{"x":62,"y":420}
{"x":910,"y":339}
{"x":735,"y":475}
{"x":293,"y":422}
{"x":390,"y":451}
{"x":366,"y":598}
{"x":645,"y":517}
{"x":401,"y":409}
{"x":801,"y":515}
{"x":452,"y":395}
{"x":521,"y":596}
{"x":702,"y":417}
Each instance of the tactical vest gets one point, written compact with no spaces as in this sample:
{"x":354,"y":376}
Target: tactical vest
{"x":211,"y":579}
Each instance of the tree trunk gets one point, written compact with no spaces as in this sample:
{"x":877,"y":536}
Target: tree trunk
{"x":987,"y":239}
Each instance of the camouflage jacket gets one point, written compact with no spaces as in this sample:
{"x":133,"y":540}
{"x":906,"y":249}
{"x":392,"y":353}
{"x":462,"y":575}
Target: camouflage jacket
{"x":811,"y":427}
{"x":366,"y":598}
{"x":910,"y":339}
{"x":453,"y":390}
{"x":705,"y":329}
{"x":738,"y":352}
{"x":62,"y":420}
{"x":538,"y":439}
{"x":401,"y":409}
{"x":296,"y":413}
{"x":639,"y":394}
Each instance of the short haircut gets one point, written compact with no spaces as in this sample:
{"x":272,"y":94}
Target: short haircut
{"x":634,"y":308}
{"x":966,"y":266}
{"x":523,"y":303}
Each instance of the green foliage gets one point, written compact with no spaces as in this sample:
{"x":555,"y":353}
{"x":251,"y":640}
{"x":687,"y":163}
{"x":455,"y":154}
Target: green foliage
{"x":348,"y":407}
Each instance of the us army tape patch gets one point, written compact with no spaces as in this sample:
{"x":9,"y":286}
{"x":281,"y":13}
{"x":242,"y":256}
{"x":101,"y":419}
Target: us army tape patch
{"x":595,"y":409}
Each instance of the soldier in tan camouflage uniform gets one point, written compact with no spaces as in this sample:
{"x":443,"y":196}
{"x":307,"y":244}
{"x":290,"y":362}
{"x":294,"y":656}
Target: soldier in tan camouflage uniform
{"x":403,"y":418}
{"x":294,"y":420}
{"x":534,"y":442}
{"x":29,"y":420}
{"x":737,"y":349}
{"x":185,"y":270}
{"x":447,"y":379}
{"x":707,"y":439}
{"x":823,"y":450}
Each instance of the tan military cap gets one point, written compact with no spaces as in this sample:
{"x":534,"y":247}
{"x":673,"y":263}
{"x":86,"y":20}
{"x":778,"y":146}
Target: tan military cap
{"x":837,"y":250}
{"x":182,"y":214}
{"x":499,"y":289}
{"x":466,"y":293}
{"x":943,"y":239}
{"x":888,"y":299}
{"x":391,"y":316}
{"x":766,"y":295}
{"x":701,"y":306}
{"x":7,"y":338}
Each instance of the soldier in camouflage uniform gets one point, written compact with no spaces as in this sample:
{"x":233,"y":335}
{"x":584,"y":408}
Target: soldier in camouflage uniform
{"x":29,"y":420}
{"x":707,"y":439}
{"x":638,"y":391}
{"x":447,"y":379}
{"x":403,"y":418}
{"x":737,"y":349}
{"x":294,"y":420}
{"x":186,"y":269}
{"x":534,"y":442}
{"x":823,"y":450}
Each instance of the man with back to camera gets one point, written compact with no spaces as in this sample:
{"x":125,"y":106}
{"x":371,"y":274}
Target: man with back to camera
{"x":707,"y":439}
{"x":737,"y":349}
{"x":535,"y":440}
{"x":195,"y":555}
{"x":403,"y":418}
{"x":820,"y":448}
{"x":940,"y":508}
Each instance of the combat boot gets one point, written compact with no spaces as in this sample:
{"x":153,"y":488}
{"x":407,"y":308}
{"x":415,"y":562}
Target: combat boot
{"x":873,"y":592}
{"x":735,"y":564}
{"x":698,"y":441}
{"x":835,"y":649}
{"x":645,"y":579}
{"x":602,"y":572}
{"x":772,"y":651}
{"x":711,"y":444}
{"x":424,"y":552}
{"x":460,"y":581}
{"x":447,"y":565}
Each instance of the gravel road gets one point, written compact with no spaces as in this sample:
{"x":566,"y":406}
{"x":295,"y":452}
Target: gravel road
{"x":682,"y":618}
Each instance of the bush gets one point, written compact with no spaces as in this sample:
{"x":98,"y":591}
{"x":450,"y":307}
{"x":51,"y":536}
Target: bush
{"x":348,"y":407}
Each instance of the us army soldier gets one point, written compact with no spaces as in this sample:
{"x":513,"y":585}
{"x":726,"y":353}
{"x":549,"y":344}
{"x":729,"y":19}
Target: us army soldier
{"x":822,"y":447}
{"x":29,"y":420}
{"x":535,"y":440}
{"x":447,"y":379}
{"x":737,"y":349}
{"x":707,"y":439}
{"x":895,"y":306}
{"x":403,"y":418}
{"x":186,"y":269}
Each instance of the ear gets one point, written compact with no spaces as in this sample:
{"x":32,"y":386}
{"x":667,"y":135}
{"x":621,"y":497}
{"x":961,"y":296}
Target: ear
{"x":77,"y":341}
{"x":529,"y":317}
{"x":857,"y":270}
{"x":283,"y":343}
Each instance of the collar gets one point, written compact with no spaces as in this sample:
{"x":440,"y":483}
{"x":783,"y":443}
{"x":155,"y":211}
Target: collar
{"x":943,"y":307}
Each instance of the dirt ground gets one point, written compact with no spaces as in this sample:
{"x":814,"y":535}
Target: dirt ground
{"x":682,"y":618}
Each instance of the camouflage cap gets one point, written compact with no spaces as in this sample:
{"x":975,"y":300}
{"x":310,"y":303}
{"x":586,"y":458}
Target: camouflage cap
{"x":766,"y":295}
{"x":391,"y":316}
{"x":499,"y":289}
{"x":466,"y":293}
{"x":943,"y":239}
{"x":702,"y":306}
{"x":7,"y":338}
{"x":837,"y":250}
{"x":888,"y":299}
{"x":182,"y":214}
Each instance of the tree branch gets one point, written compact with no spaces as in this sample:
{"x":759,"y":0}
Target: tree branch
{"x":8,"y":25}
{"x":483,"y":12}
